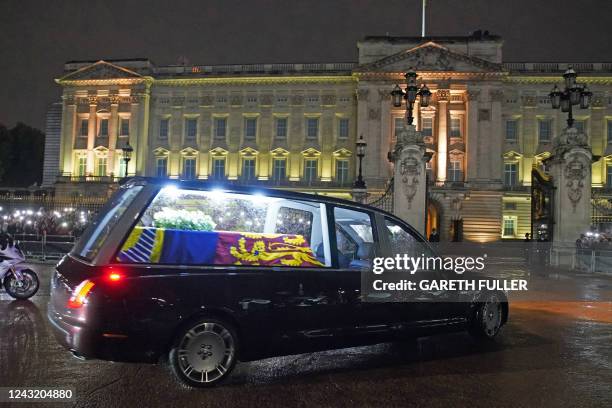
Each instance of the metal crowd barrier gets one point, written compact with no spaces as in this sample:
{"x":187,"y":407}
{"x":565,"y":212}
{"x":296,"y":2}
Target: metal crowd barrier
{"x":45,"y":248}
{"x":593,"y":260}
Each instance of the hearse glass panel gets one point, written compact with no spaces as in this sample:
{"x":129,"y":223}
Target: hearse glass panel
{"x":354,"y":238}
{"x":193,"y":227}
{"x":97,"y":233}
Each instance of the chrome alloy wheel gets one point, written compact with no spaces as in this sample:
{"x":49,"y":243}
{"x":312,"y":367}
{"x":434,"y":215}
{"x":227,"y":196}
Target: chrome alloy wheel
{"x":206,"y":352}
{"x":491,"y":316}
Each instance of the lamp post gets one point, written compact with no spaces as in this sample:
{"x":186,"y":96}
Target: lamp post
{"x":361,"y":146}
{"x":127,"y":156}
{"x":410,"y":95}
{"x":573,"y":94}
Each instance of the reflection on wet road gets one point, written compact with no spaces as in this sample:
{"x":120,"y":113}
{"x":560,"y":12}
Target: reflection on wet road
{"x":551,"y":354}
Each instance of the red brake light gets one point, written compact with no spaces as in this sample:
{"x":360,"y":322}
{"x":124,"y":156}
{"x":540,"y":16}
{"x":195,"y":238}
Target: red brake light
{"x":79,"y":294}
{"x":113,"y":274}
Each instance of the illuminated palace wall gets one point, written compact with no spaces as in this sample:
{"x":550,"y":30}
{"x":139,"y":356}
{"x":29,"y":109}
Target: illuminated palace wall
{"x":294,"y":126}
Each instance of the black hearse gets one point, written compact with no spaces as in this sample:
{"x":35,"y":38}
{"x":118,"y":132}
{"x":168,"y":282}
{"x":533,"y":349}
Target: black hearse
{"x":207,"y":274}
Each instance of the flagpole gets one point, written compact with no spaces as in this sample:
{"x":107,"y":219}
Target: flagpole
{"x":423,"y":19}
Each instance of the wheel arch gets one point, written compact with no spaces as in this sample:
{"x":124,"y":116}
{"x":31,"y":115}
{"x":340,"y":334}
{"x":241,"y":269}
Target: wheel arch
{"x":219,"y":313}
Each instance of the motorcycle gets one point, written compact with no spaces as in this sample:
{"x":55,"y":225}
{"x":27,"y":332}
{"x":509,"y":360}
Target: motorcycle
{"x":18,"y":281}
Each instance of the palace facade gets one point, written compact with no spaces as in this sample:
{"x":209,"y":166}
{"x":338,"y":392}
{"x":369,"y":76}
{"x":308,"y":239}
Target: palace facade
{"x":295,"y":126}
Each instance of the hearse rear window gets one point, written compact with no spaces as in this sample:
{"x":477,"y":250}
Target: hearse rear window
{"x":93,"y":238}
{"x":191,"y":227}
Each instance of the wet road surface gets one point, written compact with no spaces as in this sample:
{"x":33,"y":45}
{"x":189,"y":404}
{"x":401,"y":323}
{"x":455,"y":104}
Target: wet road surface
{"x":551,"y":354}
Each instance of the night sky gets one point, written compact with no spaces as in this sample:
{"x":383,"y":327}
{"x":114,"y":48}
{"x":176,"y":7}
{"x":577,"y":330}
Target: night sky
{"x":37,"y":37}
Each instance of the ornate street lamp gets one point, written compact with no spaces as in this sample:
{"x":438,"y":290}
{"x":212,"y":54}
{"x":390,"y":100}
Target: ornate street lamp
{"x":410,"y":95}
{"x":573,"y":94}
{"x":361,"y":146}
{"x":127,"y":156}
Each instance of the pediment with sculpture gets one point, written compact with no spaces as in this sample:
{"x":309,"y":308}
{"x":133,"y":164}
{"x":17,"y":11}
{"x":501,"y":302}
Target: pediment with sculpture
{"x":100,"y":71}
{"x":430,"y":56}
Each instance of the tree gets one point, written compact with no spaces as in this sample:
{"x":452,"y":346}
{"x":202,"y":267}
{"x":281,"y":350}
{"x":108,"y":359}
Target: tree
{"x":21,"y":155}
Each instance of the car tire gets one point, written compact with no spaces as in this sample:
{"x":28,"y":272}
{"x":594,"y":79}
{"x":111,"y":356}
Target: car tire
{"x":204,"y":352}
{"x":488,"y":317}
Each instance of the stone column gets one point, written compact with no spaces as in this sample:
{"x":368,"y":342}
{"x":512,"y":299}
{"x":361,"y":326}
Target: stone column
{"x":140,"y":104}
{"x":496,"y":141}
{"x":410,"y":184}
{"x":442,"y":122}
{"x":112,"y":134}
{"x":570,"y":167}
{"x":472,"y":144}
{"x":91,"y":133}
{"x":386,"y":126}
{"x":359,"y":195}
{"x":69,"y":124}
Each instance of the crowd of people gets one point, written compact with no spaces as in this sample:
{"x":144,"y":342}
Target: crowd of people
{"x":43,"y":222}
{"x":594,"y":241}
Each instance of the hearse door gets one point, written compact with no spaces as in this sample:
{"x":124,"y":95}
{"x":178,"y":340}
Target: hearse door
{"x":356,"y":244}
{"x":414,"y":308}
{"x":309,"y":301}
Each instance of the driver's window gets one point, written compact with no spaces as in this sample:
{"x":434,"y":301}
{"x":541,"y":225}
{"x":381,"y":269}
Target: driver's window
{"x":354,"y":238}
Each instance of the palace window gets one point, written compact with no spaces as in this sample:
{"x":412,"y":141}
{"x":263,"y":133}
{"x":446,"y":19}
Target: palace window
{"x":429,"y":171}
{"x":279,"y":169}
{"x":510,"y":174}
{"x":248,"y":169}
{"x":511,"y":131}
{"x":103,"y":128}
{"x":191,"y":128}
{"x":580,"y":125}
{"x":312,"y":128}
{"x":609,"y":131}
{"x":342,"y":171}
{"x":343,"y":128}
{"x":281,"y":128}
{"x":161,"y":166}
{"x":455,"y":174}
{"x":310,"y":170}
{"x":455,"y":127}
{"x":82,"y":166}
{"x":218,"y":168}
{"x":124,"y":127}
{"x":609,"y":176}
{"x":509,"y":230}
{"x":427,"y":124}
{"x":189,"y":168}
{"x":220,"y":128}
{"x":250,"y":129}
{"x":163,"y":128}
{"x":101,"y":166}
{"x":544,"y":130}
{"x":84,"y":131}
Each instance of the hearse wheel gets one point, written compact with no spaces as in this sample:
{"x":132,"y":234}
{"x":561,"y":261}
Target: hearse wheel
{"x":204,"y":352}
{"x":488,"y":318}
